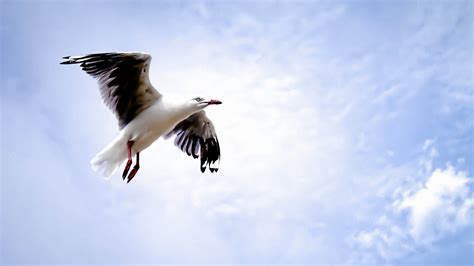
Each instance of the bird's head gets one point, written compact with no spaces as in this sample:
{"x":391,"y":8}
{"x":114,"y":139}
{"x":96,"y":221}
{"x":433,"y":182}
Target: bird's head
{"x":199,"y":103}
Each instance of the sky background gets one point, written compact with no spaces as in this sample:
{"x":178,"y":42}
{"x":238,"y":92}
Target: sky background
{"x":346,"y":133}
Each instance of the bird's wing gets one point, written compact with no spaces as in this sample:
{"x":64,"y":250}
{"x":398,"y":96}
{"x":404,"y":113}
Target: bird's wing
{"x":197,"y":137}
{"x":123,"y":80}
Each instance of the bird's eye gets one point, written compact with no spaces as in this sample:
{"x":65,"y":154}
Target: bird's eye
{"x":198,"y":99}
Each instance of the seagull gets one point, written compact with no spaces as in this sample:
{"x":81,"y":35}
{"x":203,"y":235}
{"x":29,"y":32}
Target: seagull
{"x":144,"y":114}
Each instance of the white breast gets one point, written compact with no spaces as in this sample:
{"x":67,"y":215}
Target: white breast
{"x":152,"y":123}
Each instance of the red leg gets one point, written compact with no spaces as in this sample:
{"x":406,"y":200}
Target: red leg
{"x":135,"y":168}
{"x":129,"y":162}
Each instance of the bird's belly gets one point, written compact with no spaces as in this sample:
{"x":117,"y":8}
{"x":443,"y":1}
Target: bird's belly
{"x":148,"y":127}
{"x":143,"y":142}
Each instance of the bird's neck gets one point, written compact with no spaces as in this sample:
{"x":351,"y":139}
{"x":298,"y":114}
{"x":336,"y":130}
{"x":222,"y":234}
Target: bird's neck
{"x":180,"y":110}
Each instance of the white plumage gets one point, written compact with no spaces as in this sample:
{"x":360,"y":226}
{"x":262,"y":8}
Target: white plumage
{"x":144,"y":114}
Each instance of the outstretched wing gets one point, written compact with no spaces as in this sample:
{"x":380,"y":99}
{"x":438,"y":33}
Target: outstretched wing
{"x":197,"y":137}
{"x":123,"y":80}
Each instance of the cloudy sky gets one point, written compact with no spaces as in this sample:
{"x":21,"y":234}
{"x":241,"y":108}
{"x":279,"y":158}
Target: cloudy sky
{"x":346,"y":133}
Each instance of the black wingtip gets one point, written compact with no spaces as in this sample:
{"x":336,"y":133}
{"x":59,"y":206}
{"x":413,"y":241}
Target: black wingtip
{"x":67,"y":61}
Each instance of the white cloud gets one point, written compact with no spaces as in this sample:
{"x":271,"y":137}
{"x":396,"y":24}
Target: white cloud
{"x":441,"y":206}
{"x":386,"y":94}
{"x":428,"y":143}
{"x":418,"y":216}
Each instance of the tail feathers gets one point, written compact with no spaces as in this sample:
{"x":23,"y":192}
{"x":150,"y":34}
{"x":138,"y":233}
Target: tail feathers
{"x":104,"y":167}
{"x":109,"y":159}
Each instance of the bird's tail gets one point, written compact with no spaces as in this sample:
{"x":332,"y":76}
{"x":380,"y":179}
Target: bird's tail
{"x":110,"y":158}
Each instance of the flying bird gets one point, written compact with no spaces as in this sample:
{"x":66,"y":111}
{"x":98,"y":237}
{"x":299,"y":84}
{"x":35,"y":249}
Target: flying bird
{"x":144,"y":114}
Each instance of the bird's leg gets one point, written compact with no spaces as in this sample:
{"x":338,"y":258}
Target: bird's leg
{"x":129,"y":161}
{"x":135,"y":168}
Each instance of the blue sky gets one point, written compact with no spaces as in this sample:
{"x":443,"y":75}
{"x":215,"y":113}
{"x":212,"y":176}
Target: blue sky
{"x":346,"y":134}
